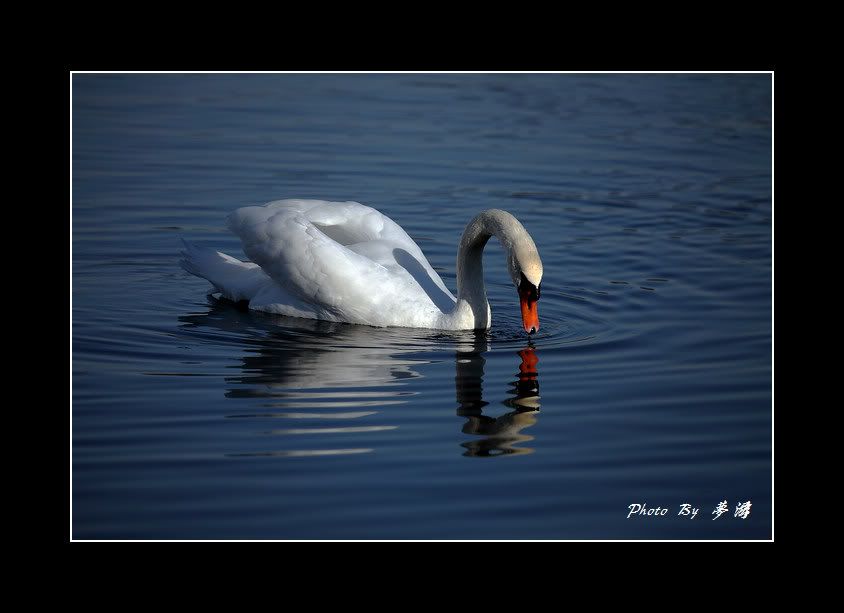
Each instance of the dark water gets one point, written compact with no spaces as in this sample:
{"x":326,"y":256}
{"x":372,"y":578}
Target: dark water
{"x":649,"y":197}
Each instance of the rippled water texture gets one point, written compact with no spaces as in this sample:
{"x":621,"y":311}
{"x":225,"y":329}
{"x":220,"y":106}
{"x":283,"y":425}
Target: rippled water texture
{"x":649,"y":197}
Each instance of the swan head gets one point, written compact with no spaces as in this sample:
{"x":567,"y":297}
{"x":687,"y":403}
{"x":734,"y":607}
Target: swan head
{"x":526,"y":272}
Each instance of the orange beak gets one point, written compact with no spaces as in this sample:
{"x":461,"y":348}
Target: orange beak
{"x":530,"y":316}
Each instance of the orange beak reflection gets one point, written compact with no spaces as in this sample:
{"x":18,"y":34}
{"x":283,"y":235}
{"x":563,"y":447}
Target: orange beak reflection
{"x":530,"y":315}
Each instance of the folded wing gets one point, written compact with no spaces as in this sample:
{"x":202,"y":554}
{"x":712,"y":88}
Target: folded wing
{"x":340,"y":257}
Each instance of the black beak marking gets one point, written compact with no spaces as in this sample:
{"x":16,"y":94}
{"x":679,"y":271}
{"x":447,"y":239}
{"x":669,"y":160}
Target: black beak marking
{"x":533,"y":290}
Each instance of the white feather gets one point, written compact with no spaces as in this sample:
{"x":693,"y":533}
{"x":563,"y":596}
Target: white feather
{"x":336,"y":261}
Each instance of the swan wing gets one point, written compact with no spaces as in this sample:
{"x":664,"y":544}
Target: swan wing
{"x":343,"y":258}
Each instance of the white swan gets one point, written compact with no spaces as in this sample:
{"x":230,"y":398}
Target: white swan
{"x":344,"y":261}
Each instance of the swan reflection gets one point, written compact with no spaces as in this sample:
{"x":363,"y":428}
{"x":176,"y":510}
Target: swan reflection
{"x":333,"y":378}
{"x":500,"y":435}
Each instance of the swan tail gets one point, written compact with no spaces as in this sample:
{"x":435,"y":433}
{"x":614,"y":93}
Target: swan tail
{"x":234,"y":279}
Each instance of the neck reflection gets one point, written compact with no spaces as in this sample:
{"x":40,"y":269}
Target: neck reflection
{"x":499,"y":435}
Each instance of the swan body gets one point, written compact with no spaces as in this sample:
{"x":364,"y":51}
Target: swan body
{"x":347,"y":262}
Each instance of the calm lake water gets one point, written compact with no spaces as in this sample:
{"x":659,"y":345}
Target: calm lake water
{"x":650,"y":381}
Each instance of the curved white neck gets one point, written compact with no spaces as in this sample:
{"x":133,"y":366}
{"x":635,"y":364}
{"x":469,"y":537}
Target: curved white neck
{"x":472,"y":301}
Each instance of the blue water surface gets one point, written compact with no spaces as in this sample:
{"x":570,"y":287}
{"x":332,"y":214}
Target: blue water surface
{"x":649,"y":197}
